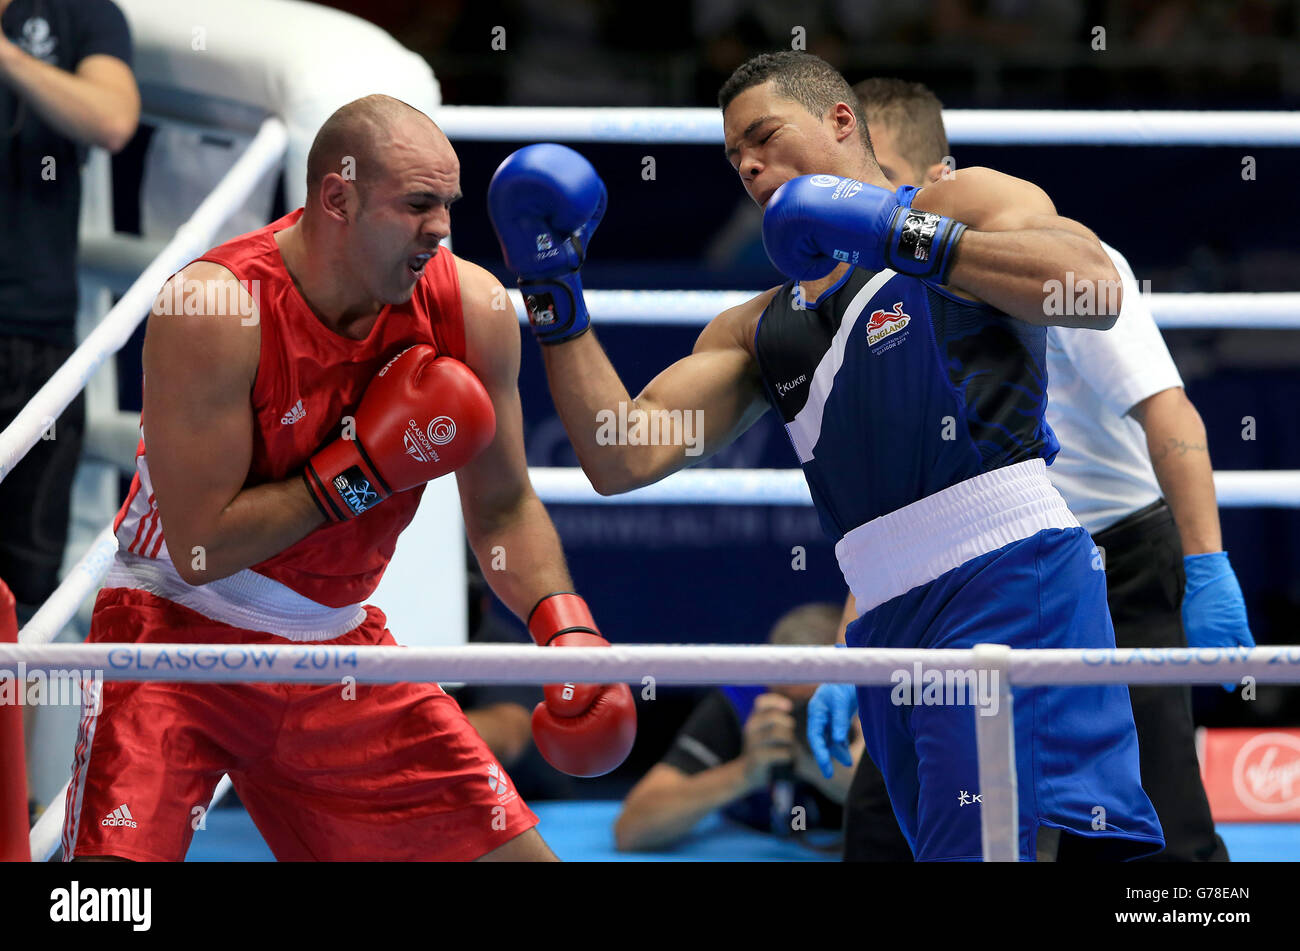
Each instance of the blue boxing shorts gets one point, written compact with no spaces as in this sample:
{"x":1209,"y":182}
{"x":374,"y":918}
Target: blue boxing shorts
{"x":1076,"y":747}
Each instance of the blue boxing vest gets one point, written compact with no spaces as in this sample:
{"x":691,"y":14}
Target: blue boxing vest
{"x":892,"y":388}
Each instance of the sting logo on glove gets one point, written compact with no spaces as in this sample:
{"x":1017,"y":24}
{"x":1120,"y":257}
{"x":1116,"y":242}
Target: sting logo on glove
{"x":919,"y":229}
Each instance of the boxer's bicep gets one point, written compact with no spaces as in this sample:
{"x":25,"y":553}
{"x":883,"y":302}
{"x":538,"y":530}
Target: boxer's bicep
{"x":198,"y":417}
{"x":986,"y":200}
{"x":719,"y":385}
{"x":497,"y":477}
{"x":716,"y":394}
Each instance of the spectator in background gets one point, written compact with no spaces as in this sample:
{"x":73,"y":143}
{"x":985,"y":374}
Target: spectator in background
{"x":743,"y":751}
{"x":65,"y":84}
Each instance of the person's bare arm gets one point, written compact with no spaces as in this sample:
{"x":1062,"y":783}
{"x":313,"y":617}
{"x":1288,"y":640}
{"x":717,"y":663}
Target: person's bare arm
{"x":720,"y":380}
{"x":99,"y":104}
{"x":1181,"y":459}
{"x":667,"y":803}
{"x":849,"y":615}
{"x":507,"y":729}
{"x":198,"y":430}
{"x":1016,"y":245}
{"x":508,"y":527}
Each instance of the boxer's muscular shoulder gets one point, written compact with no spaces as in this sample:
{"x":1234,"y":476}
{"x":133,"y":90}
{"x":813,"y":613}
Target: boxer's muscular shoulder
{"x":203,"y":317}
{"x":491,"y":324}
{"x":734,"y":328}
{"x":984,"y":198}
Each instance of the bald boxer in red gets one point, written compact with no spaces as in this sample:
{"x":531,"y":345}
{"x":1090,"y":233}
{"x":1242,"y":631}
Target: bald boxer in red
{"x":291,"y":425}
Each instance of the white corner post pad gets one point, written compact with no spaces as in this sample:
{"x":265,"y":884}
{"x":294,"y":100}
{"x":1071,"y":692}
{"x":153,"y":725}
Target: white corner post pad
{"x":996,"y":746}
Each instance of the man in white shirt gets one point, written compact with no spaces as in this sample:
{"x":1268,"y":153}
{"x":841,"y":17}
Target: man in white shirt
{"x":1135,"y":470}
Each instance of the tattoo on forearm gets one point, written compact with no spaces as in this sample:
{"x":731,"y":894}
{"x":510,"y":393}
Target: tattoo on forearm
{"x":1179,"y":446}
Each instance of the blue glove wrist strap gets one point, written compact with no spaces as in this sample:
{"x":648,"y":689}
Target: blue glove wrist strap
{"x":556,"y":308}
{"x":922,"y":243}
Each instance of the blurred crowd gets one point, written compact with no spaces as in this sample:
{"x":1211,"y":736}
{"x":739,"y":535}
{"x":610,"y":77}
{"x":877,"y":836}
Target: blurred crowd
{"x":971,"y":52}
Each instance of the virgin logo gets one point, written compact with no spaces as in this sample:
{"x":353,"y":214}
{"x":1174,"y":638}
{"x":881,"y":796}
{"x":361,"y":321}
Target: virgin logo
{"x":1266,"y":773}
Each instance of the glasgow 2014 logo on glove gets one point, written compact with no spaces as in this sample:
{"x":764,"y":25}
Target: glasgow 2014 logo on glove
{"x":844,"y":187}
{"x":442,"y":430}
{"x":419,"y":443}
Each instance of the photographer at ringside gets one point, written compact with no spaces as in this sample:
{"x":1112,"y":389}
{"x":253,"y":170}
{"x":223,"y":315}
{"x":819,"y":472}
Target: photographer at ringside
{"x":743,"y":751}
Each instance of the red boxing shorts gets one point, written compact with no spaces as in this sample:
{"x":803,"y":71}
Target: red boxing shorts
{"x":395,"y":773}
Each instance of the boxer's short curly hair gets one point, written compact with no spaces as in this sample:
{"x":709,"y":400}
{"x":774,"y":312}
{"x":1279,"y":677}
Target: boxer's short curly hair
{"x":801,"y":77}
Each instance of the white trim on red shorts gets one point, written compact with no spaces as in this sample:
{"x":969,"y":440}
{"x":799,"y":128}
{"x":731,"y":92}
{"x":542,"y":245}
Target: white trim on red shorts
{"x":244,"y":600}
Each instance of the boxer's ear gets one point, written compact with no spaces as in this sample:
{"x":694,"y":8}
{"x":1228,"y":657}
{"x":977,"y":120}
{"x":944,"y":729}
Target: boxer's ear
{"x":335,"y":198}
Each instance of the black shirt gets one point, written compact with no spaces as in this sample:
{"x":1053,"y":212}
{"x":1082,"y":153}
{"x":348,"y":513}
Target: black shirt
{"x":713,"y":735}
{"x":40,"y":169}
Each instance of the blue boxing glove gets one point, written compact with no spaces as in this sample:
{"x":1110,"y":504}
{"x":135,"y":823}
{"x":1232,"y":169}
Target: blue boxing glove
{"x":833,"y":705}
{"x":545,"y":202}
{"x":1214,"y":611}
{"x":813,"y":222}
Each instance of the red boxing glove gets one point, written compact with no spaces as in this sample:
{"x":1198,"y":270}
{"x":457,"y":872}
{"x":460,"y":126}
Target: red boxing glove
{"x":580,"y":729}
{"x":422,"y":416}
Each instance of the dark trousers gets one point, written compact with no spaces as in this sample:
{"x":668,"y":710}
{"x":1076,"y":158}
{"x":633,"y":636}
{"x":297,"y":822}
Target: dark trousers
{"x":1144,"y":588}
{"x":38,"y":493}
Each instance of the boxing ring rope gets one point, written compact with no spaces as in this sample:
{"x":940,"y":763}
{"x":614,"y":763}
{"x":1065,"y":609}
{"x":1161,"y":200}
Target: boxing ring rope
{"x":776,"y":487}
{"x":310,"y":663}
{"x":1263,"y":310}
{"x":986,"y":126}
{"x":640,"y":666}
{"x":1234,"y":488}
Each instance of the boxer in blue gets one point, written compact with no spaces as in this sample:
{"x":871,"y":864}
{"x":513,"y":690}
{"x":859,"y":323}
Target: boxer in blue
{"x":906,"y":359}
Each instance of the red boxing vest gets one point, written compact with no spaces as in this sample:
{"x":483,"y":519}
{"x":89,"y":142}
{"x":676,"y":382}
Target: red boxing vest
{"x":308,"y":379}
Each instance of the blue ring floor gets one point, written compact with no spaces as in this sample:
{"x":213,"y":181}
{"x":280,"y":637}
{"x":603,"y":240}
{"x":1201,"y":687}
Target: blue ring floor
{"x":582,"y":831}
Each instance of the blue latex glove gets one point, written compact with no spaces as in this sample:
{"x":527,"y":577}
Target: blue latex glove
{"x":833,"y":705}
{"x":1214,"y":612}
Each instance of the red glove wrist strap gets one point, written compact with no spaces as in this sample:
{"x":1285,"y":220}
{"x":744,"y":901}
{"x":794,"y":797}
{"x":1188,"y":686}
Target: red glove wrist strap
{"x":560,"y":613}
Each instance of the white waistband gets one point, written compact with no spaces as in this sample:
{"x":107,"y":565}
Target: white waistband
{"x":245,"y":599}
{"x":914,"y":545}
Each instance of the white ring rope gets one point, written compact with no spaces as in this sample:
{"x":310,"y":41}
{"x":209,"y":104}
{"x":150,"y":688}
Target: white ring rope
{"x":191,"y":239}
{"x":81,"y":582}
{"x":703,"y":126}
{"x":717,"y":664}
{"x":1235,"y":488}
{"x":1264,"y":310}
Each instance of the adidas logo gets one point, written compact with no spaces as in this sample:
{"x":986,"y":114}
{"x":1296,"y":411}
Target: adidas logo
{"x":121,"y":816}
{"x":295,"y":414}
{"x":497,"y":780}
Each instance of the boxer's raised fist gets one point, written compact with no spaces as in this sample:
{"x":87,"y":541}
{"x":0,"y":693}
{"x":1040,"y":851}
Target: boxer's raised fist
{"x":421,"y":417}
{"x":545,"y":202}
{"x":814,"y":222}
